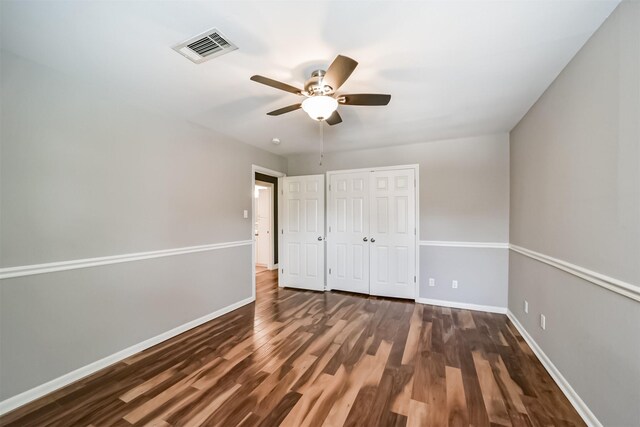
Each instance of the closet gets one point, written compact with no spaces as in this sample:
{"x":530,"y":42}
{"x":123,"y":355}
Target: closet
{"x":372,"y":231}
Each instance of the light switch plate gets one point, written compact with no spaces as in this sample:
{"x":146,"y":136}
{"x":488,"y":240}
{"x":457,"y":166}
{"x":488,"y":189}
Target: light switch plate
{"x":246,"y":213}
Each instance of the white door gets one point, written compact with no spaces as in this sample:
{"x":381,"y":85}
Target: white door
{"x":263,"y":227}
{"x":303,"y":232}
{"x":392,"y":233}
{"x":348,"y":232}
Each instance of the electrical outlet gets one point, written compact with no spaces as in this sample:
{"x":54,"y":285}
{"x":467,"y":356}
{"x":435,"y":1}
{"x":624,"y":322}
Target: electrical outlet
{"x":454,"y":284}
{"x":526,"y":306}
{"x":432,"y":281}
{"x":543,"y":322}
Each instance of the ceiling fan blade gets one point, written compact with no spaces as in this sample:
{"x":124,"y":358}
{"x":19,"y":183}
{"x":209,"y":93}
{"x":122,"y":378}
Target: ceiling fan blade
{"x":339,"y":71}
{"x":276,"y":84}
{"x":366,"y":99}
{"x":334,"y":119}
{"x":284,"y":110}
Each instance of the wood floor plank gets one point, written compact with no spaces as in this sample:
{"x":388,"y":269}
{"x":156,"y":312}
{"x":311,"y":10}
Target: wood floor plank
{"x":418,"y":414}
{"x":457,"y":415}
{"x":366,"y":373}
{"x":298,"y":358}
{"x":493,"y":399}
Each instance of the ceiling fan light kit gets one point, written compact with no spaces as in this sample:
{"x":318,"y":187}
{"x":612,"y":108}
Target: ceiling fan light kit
{"x":321,"y":100}
{"x":320,"y":107}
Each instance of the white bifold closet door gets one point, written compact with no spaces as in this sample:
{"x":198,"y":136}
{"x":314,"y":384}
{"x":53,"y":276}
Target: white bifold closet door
{"x":393,"y":233}
{"x":303,"y":232}
{"x":348,"y":228}
{"x":371,"y":241}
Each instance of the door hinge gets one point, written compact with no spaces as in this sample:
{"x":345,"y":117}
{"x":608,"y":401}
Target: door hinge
{"x":414,"y":279}
{"x":282,"y":231}
{"x":282,"y":271}
{"x":329,"y":271}
{"x":329,"y":229}
{"x":329,"y":187}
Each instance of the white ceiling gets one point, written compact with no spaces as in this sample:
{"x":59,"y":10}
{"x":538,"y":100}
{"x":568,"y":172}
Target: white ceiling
{"x":454,"y":68}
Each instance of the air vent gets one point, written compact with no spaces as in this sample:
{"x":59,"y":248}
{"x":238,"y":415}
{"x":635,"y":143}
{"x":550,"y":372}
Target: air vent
{"x":205,"y":46}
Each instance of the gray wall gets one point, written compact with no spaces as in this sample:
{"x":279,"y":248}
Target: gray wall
{"x":84,"y":175}
{"x":575,"y":195}
{"x":481,"y":274}
{"x":464,"y":196}
{"x":55,"y":323}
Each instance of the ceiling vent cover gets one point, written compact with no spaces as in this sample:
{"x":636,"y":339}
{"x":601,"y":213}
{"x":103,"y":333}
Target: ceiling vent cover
{"x":205,"y":46}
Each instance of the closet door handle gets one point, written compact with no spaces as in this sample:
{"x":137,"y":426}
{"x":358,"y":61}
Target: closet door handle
{"x":320,"y":239}
{"x":373,"y":240}
{"x":364,"y":240}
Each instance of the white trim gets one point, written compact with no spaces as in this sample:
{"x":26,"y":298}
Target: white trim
{"x":492,"y":245}
{"x":462,"y":305}
{"x":281,"y":237}
{"x":50,"y":386}
{"x":276,"y":174}
{"x":51,"y":267}
{"x":265,"y":171}
{"x":618,"y":286}
{"x":581,"y":407}
{"x":416,"y":167}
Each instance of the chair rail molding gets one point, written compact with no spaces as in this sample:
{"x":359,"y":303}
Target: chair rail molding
{"x":450,"y":244}
{"x":615,"y":285}
{"x":51,"y":267}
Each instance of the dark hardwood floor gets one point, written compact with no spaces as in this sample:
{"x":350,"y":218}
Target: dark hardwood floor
{"x":297,"y":358}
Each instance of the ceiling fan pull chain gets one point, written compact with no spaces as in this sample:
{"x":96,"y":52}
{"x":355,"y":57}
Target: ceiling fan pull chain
{"x":321,"y":142}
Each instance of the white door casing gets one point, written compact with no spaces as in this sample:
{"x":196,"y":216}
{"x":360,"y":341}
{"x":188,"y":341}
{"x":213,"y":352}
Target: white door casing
{"x":393,"y":233}
{"x":348,"y":232}
{"x":264,"y":241}
{"x":303,"y":232}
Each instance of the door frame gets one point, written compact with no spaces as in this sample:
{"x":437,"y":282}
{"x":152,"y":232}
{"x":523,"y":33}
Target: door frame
{"x":276,"y":174}
{"x":416,"y":169}
{"x":270,"y":189}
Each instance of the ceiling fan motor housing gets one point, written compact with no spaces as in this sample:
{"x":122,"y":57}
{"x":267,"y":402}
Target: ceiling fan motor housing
{"x":315,"y":85}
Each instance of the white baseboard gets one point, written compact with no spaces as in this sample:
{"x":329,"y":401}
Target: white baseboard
{"x":582,"y":408}
{"x":66,"y":379}
{"x":273,"y":267}
{"x":462,"y":305}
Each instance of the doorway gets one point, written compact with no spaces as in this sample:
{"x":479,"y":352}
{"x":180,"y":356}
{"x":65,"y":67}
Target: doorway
{"x":264,"y":224}
{"x":263,"y":193}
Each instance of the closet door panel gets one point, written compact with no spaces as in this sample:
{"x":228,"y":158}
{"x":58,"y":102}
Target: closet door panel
{"x":393,"y":233}
{"x":347,"y":228}
{"x":303,"y":232}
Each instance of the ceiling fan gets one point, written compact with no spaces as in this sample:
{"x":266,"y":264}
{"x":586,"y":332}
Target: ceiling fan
{"x":322,"y":101}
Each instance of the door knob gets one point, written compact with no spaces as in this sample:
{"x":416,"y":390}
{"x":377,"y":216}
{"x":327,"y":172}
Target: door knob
{"x":364,"y":240}
{"x":319,"y":238}
{"x":373,"y":240}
